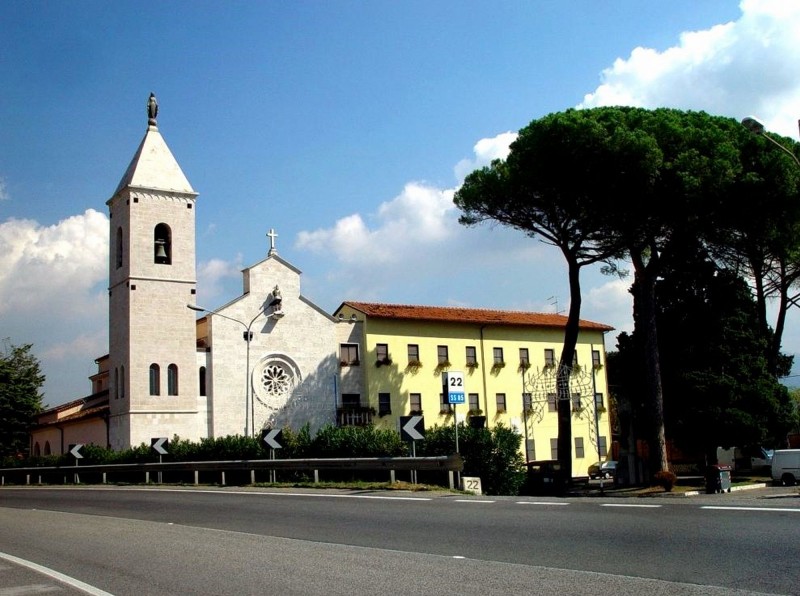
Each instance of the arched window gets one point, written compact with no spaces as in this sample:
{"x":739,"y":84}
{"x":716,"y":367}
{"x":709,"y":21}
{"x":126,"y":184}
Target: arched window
{"x":172,"y":379}
{"x":47,"y":448}
{"x":37,"y":451}
{"x":162,"y":244}
{"x":116,"y":383}
{"x":122,"y":382}
{"x":203,"y":381}
{"x":119,"y":248}
{"x":155,"y":379}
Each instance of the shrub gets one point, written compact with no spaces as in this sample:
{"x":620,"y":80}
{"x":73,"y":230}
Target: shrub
{"x":492,"y":455}
{"x":665,"y":479}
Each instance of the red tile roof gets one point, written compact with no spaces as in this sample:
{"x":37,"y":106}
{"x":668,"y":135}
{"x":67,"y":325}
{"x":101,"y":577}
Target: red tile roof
{"x":451,"y":314}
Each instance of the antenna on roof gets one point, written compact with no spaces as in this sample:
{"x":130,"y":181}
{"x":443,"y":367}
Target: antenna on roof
{"x":553,"y":301}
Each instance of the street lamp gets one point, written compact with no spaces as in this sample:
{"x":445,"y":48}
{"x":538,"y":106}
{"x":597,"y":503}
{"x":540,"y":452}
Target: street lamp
{"x":277,"y":313}
{"x":753,"y":125}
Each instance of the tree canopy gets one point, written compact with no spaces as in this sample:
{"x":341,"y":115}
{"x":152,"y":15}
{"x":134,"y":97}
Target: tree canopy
{"x":20,"y":397}
{"x":553,"y":187}
{"x":619,"y":182}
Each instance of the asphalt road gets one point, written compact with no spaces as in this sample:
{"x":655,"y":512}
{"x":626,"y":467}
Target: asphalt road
{"x":224,"y":541}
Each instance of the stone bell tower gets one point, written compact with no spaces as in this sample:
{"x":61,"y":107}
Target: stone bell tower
{"x":153,"y":380}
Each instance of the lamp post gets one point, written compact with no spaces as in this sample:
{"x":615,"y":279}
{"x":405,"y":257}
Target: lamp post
{"x":753,"y":125}
{"x":249,"y":410}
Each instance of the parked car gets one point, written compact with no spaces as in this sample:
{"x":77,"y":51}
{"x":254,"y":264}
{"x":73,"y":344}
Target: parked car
{"x":786,"y":466}
{"x":603,"y":469}
{"x":761,"y":460}
{"x":544,"y":477}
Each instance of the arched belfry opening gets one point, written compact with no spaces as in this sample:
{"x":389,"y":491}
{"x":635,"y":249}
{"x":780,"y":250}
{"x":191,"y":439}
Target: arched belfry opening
{"x":162,"y":244}
{"x":118,"y":250}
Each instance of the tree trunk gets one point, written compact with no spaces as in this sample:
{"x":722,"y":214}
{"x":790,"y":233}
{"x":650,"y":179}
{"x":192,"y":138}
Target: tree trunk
{"x":565,"y":370}
{"x":645,"y":320}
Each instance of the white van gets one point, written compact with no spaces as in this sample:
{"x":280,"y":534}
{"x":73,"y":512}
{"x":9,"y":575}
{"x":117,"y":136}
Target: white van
{"x":786,"y":466}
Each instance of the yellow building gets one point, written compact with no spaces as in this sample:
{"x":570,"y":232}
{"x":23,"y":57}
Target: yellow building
{"x":392,"y":364}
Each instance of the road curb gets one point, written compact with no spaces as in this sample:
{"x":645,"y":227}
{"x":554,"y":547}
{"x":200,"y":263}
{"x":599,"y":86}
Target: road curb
{"x":733,"y":489}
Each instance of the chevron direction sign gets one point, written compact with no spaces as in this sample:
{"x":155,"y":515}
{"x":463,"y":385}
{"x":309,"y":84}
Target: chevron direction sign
{"x":272,"y":437}
{"x":75,"y":450}
{"x":412,"y":428}
{"x":159,"y":445}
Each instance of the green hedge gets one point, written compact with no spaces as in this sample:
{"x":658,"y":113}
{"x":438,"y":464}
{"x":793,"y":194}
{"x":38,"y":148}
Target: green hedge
{"x":493,"y":455}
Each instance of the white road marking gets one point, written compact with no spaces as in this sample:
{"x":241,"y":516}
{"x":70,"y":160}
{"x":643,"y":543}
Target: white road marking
{"x":539,"y":503}
{"x":30,"y":589}
{"x":70,"y":581}
{"x":631,"y":505}
{"x":471,"y":501}
{"x":750,"y":508}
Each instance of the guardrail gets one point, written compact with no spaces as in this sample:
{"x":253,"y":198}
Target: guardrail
{"x":450,"y":464}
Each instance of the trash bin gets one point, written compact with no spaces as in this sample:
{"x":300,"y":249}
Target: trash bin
{"x":718,"y":479}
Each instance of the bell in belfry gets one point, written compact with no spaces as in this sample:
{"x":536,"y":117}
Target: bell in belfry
{"x":161,"y":251}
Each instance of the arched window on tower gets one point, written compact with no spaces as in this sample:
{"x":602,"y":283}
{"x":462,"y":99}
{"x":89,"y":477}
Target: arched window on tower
{"x":116,"y":383}
{"x":172,"y":379}
{"x":46,"y":448}
{"x":162,"y":245}
{"x":119,"y":248}
{"x":203,"y":381}
{"x":122,"y":382}
{"x":37,"y":451}
{"x":155,"y":379}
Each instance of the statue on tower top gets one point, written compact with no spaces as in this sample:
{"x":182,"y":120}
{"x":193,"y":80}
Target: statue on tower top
{"x":152,"y":110}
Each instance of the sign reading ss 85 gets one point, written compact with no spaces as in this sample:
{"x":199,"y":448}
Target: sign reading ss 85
{"x":453,"y":386}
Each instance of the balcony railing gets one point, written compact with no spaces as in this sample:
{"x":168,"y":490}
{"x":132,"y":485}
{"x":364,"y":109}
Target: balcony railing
{"x":354,"y":416}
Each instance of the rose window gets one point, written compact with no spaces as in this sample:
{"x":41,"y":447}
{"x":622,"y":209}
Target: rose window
{"x":275,"y":380}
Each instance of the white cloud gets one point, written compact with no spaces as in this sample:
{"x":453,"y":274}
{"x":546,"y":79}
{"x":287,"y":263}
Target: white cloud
{"x":610,"y":303}
{"x":486,"y":151}
{"x":734,"y":69}
{"x":42,"y":267}
{"x":419,"y":217}
{"x":53,"y":295}
{"x":95,"y":342}
{"x":213,"y":277}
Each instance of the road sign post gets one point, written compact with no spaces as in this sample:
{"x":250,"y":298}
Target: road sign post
{"x":159,"y":445}
{"x":272,"y":437}
{"x":75,"y":451}
{"x":453,"y":388}
{"x":412,"y":428}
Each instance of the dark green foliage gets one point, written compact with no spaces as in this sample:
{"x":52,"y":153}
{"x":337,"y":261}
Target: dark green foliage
{"x":20,"y":398}
{"x":718,"y":387}
{"x":492,"y":455}
{"x":297,"y":445}
{"x":356,"y":441}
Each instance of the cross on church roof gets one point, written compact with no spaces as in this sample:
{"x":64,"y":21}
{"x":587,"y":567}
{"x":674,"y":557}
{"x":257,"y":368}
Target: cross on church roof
{"x":272,"y":235}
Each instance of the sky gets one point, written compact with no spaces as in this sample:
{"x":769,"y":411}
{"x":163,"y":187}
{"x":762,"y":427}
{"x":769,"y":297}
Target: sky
{"x":345,"y":126}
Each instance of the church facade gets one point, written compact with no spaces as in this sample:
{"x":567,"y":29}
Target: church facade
{"x":272,"y":358}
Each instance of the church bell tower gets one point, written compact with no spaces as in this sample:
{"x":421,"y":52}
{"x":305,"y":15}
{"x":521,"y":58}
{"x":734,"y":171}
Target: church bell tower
{"x":153,"y":379}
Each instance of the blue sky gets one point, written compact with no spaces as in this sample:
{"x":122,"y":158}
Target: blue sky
{"x":346,"y":126}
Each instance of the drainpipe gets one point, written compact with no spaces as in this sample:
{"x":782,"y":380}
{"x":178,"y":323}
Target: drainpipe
{"x":483,"y":376}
